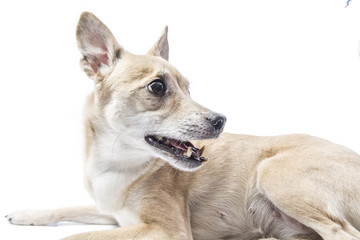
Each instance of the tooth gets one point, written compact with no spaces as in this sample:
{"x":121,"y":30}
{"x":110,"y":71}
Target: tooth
{"x":204,"y":159}
{"x":188,"y":152}
{"x":202,"y":150}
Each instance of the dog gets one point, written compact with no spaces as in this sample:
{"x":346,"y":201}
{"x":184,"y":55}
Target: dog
{"x":158,"y":165}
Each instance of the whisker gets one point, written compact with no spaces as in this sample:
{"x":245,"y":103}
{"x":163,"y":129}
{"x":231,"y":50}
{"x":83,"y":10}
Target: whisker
{"x":113,"y":145}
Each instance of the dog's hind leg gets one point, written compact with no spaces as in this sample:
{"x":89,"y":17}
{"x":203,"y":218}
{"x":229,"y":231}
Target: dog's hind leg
{"x":310,"y":216}
{"x":323,"y":209}
{"x":85,"y":214}
{"x":329,"y":228}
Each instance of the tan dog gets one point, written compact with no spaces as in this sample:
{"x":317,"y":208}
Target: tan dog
{"x":140,"y":166}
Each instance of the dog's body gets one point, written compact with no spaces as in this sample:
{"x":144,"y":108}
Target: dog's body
{"x":139,"y":165}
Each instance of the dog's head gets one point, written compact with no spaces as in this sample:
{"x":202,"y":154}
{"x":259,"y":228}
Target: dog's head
{"x":143,"y":98}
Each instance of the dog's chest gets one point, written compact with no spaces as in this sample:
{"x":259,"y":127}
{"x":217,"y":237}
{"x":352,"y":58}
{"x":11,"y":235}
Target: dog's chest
{"x":109,"y":194}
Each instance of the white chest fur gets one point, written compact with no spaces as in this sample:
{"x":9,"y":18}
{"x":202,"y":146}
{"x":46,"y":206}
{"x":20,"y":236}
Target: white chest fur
{"x":108,"y":191}
{"x":113,"y":165}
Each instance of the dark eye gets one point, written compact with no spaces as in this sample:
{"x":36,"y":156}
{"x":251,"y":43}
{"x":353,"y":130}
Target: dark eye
{"x":157,"y":87}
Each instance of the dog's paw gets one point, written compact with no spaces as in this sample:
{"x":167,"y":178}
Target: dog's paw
{"x":30,"y":217}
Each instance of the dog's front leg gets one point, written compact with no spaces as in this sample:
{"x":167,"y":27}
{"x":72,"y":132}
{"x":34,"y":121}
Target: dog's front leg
{"x":85,"y":214}
{"x":135,"y":232}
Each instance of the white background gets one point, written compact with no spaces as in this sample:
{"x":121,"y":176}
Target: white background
{"x":271,"y":66}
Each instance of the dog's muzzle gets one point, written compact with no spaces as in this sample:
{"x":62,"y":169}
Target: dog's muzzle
{"x":184,"y":154}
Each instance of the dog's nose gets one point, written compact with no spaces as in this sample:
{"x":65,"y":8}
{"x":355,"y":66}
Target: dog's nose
{"x":217,"y":121}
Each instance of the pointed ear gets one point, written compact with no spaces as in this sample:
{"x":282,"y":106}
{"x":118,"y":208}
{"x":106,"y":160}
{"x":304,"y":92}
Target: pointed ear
{"x":161,"y":47}
{"x":98,"y":46}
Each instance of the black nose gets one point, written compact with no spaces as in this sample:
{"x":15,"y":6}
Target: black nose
{"x":217,"y":121}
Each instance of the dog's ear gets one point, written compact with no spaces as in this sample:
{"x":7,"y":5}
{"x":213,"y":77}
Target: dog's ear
{"x":98,"y":46}
{"x":161,"y":47}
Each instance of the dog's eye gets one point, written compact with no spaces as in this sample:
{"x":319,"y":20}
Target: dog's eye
{"x":157,"y":87}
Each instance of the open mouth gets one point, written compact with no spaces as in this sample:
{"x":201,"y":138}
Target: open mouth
{"x":183,"y":151}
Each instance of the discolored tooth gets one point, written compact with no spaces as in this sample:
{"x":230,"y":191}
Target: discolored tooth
{"x":202,"y":150}
{"x":204,"y":159}
{"x":188,"y":152}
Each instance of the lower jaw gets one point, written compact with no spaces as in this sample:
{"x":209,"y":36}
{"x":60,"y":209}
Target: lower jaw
{"x":187,"y":165}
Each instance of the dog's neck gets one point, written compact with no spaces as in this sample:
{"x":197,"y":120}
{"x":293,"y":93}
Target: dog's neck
{"x":113,"y":150}
{"x":107,"y":149}
{"x":113,"y":165}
